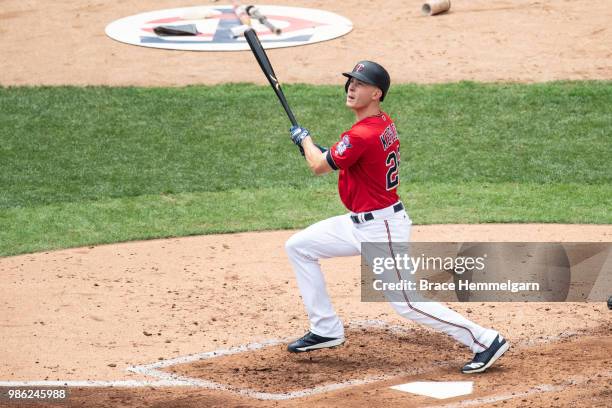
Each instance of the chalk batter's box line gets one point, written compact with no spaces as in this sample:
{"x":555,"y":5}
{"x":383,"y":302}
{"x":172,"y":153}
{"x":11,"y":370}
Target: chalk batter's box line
{"x":152,"y":370}
{"x":164,"y":379}
{"x":256,"y":346}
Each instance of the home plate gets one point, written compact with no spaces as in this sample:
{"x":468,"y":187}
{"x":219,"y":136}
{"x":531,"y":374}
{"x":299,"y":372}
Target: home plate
{"x":437,"y":389}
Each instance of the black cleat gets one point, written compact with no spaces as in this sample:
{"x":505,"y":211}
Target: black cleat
{"x":485,"y":359}
{"x":311,"y":341}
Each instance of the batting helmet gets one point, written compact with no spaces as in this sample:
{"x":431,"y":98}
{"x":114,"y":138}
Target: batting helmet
{"x":371,"y":73}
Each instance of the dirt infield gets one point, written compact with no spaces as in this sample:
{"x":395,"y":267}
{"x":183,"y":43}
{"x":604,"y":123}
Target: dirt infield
{"x":90,"y":314}
{"x":482,"y":40}
{"x":554,"y":380}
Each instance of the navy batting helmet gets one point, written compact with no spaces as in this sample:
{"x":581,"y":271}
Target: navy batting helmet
{"x":370,"y":73}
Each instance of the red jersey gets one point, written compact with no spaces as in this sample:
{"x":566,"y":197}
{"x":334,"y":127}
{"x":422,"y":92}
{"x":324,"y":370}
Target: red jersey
{"x":367,"y":156}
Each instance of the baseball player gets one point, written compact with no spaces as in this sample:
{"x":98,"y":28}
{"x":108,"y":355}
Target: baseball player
{"x":367,"y":158}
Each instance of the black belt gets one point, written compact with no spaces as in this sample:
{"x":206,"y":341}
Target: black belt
{"x":369,"y":216}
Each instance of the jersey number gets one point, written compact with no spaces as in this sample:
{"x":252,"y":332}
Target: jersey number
{"x":392,"y":173}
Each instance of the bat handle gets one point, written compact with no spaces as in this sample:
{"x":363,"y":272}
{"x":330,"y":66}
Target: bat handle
{"x":291,"y":117}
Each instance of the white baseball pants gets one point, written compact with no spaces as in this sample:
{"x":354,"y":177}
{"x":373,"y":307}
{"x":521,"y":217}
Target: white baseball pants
{"x":339,"y":236}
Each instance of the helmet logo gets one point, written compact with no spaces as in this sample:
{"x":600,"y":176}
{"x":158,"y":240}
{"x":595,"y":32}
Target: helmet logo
{"x":359,"y":68}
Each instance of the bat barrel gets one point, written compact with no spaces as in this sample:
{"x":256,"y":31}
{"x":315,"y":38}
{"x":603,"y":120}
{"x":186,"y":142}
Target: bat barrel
{"x":266,"y":67}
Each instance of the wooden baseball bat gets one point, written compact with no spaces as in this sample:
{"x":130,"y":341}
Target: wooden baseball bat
{"x":255,"y":13}
{"x":241,"y":13}
{"x":266,"y":67}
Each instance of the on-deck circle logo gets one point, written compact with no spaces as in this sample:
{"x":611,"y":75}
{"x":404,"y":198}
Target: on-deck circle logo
{"x":215,"y":25}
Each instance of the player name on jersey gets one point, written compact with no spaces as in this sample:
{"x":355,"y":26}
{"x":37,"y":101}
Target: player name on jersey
{"x":389,"y":136}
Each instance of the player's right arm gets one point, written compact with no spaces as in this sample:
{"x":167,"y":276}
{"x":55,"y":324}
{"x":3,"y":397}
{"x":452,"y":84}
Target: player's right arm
{"x":316,"y":159}
{"x":315,"y":156}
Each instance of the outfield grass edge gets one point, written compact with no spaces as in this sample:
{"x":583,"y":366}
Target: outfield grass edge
{"x":65,"y":225}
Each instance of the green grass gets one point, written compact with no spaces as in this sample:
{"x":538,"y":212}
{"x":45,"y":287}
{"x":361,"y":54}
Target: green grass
{"x":62,"y":225}
{"x":94,"y":165}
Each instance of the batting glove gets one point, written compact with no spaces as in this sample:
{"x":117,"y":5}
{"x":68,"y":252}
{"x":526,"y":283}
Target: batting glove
{"x":298,"y":134}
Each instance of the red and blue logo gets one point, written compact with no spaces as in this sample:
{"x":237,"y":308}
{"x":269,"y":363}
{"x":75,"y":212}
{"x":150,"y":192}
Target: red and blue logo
{"x":359,"y":68}
{"x":345,"y":143}
{"x":214,"y":28}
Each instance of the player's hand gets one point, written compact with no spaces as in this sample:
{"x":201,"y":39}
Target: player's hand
{"x":298,"y":134}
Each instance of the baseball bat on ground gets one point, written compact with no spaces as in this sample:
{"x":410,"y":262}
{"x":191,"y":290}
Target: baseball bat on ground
{"x":255,"y":13}
{"x":245,"y":20}
{"x":266,"y":67}
{"x":241,"y":13}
